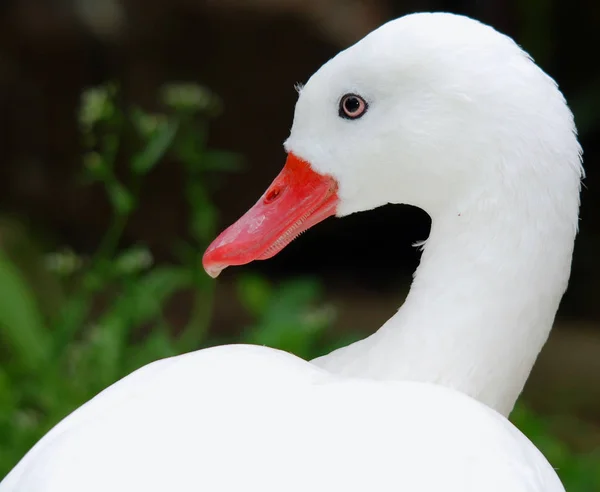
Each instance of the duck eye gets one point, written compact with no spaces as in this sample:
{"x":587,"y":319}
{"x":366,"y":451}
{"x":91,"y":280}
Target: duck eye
{"x":352,"y":107}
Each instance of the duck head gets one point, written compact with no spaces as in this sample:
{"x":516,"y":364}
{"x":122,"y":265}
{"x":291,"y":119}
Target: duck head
{"x":433,"y":110}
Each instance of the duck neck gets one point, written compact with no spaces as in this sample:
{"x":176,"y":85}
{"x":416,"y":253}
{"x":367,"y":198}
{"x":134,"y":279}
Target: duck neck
{"x":481,"y":305}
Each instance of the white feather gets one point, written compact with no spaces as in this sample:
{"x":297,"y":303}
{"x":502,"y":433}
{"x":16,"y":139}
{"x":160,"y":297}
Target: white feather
{"x":462,"y":124}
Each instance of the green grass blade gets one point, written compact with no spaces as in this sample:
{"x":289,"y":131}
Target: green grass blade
{"x":21,"y":322}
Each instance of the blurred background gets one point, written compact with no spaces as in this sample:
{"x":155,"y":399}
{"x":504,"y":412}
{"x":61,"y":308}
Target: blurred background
{"x":131,"y":132}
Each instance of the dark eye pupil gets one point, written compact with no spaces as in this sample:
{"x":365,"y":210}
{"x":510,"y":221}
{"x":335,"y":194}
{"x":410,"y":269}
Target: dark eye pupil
{"x":352,"y":104}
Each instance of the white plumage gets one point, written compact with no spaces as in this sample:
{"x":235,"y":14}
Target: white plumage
{"x":252,"y":418}
{"x":463,"y":124}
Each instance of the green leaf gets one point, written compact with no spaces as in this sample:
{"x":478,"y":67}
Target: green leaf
{"x":254,"y":292}
{"x":152,"y":290}
{"x":69,"y":322}
{"x":106,"y":347}
{"x":121,"y":199}
{"x":190,"y":97}
{"x":203,"y":222}
{"x":203,"y":214}
{"x":159,"y":143}
{"x":158,"y":345}
{"x":142,"y":302}
{"x":63,"y":263}
{"x":7,"y":391}
{"x":21,"y":322}
{"x":290,"y":320}
{"x":95,"y":167}
{"x":193,"y":335}
{"x":132,"y":260}
{"x":96,"y":105}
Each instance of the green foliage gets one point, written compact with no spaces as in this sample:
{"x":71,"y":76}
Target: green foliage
{"x":289,"y":316}
{"x":109,"y":319}
{"x":580,"y":472}
{"x":107,"y":315}
{"x":21,"y":324}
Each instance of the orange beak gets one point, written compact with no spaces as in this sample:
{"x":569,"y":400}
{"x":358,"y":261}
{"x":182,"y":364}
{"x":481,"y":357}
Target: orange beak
{"x":297,"y":199}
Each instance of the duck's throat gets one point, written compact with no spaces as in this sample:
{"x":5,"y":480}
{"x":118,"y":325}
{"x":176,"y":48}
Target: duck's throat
{"x":480,"y":308}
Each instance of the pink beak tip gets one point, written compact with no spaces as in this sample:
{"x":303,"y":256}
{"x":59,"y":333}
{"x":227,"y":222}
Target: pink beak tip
{"x":212,"y":268}
{"x":213,"y":271}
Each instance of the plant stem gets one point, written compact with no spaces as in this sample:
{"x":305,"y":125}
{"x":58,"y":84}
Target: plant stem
{"x":197,"y":326}
{"x":110,"y":241}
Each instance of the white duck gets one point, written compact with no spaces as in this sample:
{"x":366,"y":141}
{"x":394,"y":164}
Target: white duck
{"x":434,"y":110}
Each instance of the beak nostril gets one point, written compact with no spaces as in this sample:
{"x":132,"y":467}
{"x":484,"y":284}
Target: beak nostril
{"x":272,"y":195}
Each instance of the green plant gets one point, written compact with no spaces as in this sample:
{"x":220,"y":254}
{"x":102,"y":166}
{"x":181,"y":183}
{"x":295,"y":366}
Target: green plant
{"x":110,"y":316}
{"x":290,"y":316}
{"x":580,"y":472}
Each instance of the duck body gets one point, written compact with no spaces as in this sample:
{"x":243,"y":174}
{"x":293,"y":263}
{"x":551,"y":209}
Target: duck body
{"x":253,"y":418}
